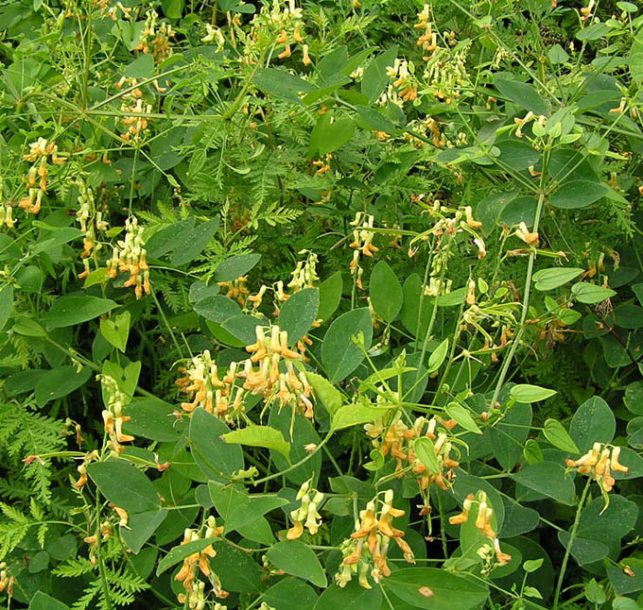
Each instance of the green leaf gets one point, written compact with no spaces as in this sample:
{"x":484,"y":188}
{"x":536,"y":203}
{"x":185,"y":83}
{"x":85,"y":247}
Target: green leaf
{"x":124,"y":485}
{"x":436,"y":589}
{"x":153,"y":419}
{"x":526,"y":96}
{"x":351,"y":597}
{"x":56,"y":237}
{"x":291,"y":594}
{"x":259,"y":436}
{"x":508,"y":436}
{"x":330,"y":134}
{"x":330,"y":294}
{"x":238,"y":509}
{"x":329,"y":395}
{"x":116,"y":330}
{"x":243,"y":328}
{"x":238,"y":572}
{"x":60,"y":382}
{"x":548,"y":479}
{"x":298,"y":313}
{"x":217,"y":308}
{"x":354,"y":414}
{"x":172,"y":9}
{"x":42,"y":601}
{"x":375,"y":78}
{"x":438,"y":356}
{"x":6,"y":304}
{"x":142,"y":67}
{"x":281,"y":84}
{"x":71,"y":310}
{"x":295,"y":558}
{"x":214,"y":457}
{"x":425,"y":452}
{"x":527,"y":393}
{"x":548,"y":279}
{"x":463,"y":417}
{"x":179,"y":553}
{"x":556,"y":434}
{"x":633,"y":398}
{"x":385,"y":292}
{"x":593,"y":422}
{"x":590,"y":294}
{"x":578,"y":194}
{"x":192,"y":242}
{"x":235,"y":267}
{"x":141,"y":527}
{"x":340,"y":355}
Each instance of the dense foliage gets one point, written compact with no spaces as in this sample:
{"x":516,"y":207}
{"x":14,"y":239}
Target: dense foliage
{"x":320,"y":304}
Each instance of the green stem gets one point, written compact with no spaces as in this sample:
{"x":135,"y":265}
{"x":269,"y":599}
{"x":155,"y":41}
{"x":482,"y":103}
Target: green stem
{"x":570,"y":542}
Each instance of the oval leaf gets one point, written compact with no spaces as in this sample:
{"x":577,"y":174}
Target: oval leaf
{"x":385,"y":292}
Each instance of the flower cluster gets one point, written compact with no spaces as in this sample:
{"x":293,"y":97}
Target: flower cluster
{"x":204,"y":387}
{"x":365,"y":552}
{"x":484,"y":523}
{"x":155,"y":38}
{"x":396,"y":439}
{"x":6,"y":209}
{"x":82,"y":469}
{"x":305,"y":273}
{"x":91,"y":221}
{"x":362,"y":243}
{"x":287,"y":388}
{"x":39,"y":152}
{"x":130,"y":256}
{"x":287,"y":22}
{"x":404,"y":88}
{"x":236,"y":289}
{"x":307,"y":514}
{"x":6,"y":581}
{"x":194,"y":595}
{"x":113,"y":417}
{"x":428,"y":39}
{"x":134,"y":109}
{"x":445,"y":72}
{"x":598,"y":464}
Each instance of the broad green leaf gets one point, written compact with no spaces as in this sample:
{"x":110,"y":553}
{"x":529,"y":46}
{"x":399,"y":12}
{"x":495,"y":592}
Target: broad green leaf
{"x":329,"y":134}
{"x":239,"y":508}
{"x":351,"y":597}
{"x":295,"y":558}
{"x":548,"y":279}
{"x":56,"y":237}
{"x":142,"y":67}
{"x":385,"y":292}
{"x":635,"y":58}
{"x":578,"y":194}
{"x":438,"y":356}
{"x":325,"y":391}
{"x":330,"y":294}
{"x":179,"y":553}
{"x":200,"y":290}
{"x":235,"y":267}
{"x":281,"y":84}
{"x":593,"y":422}
{"x":6,"y":304}
{"x":71,"y":310}
{"x":42,"y":601}
{"x":153,"y":419}
{"x":526,"y":96}
{"x":634,"y":397}
{"x":624,"y":583}
{"x":291,"y":594}
{"x":340,"y":355}
{"x":463,"y":417}
{"x":590,"y":294}
{"x":124,"y":485}
{"x":191,"y":243}
{"x":238,"y":571}
{"x":141,"y":527}
{"x":243,"y":328}
{"x":527,"y":393}
{"x":116,"y":330}
{"x":369,"y":118}
{"x":173,"y":9}
{"x":508,"y":436}
{"x":298,"y":313}
{"x":375,"y":78}
{"x":259,"y":436}
{"x":548,"y":479}
{"x":425,"y":452}
{"x":556,"y":434}
{"x":215,"y":458}
{"x":60,"y":382}
{"x":217,"y":308}
{"x":436,"y":589}
{"x":355,"y":414}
